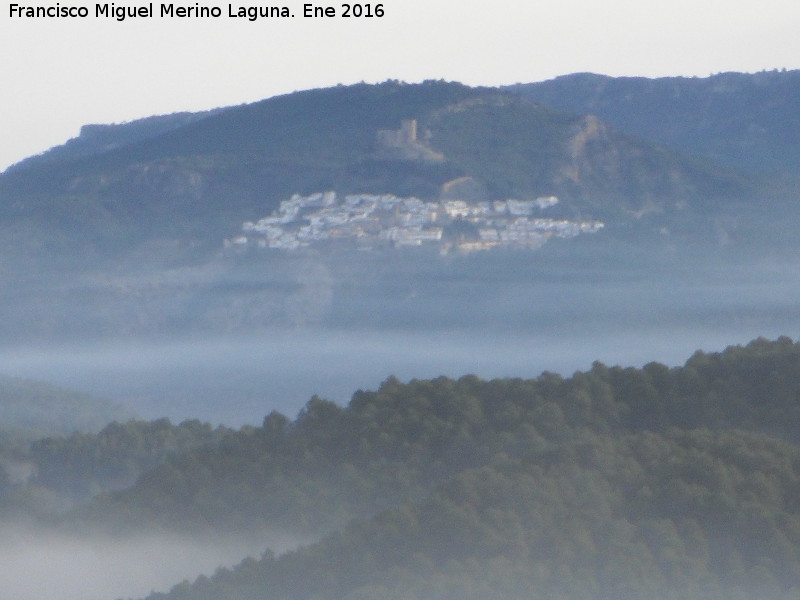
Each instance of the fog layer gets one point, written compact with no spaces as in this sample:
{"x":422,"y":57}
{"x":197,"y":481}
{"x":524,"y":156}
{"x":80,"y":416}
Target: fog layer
{"x":231,"y":343}
{"x":42,"y":565}
{"x":238,"y":380}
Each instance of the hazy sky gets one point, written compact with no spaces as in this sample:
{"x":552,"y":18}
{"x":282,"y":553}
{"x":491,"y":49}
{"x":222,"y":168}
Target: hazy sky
{"x":59,"y":73}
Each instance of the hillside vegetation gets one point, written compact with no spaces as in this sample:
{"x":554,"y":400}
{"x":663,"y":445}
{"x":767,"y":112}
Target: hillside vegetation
{"x":615,"y":482}
{"x":122,"y":231}
{"x":197,"y":182}
{"x":747,"y":121}
{"x":32,"y":409}
{"x":680,"y":514}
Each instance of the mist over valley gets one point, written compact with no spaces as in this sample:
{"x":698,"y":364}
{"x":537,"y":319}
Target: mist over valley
{"x":40,"y":563}
{"x":514,"y":328}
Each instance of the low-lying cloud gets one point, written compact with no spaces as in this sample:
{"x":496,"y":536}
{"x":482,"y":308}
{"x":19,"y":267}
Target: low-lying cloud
{"x":42,"y":565}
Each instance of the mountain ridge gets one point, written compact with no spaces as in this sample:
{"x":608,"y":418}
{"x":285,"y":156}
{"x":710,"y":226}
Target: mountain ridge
{"x":151,"y":208}
{"x":743,"y":120}
{"x":327,"y":136}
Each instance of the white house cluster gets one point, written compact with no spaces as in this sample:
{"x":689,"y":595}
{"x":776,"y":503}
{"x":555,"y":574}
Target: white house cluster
{"x":370,"y":221}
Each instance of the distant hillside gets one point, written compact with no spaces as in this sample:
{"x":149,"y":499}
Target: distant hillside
{"x":613,"y":483}
{"x":31,"y":409}
{"x":516,"y":148}
{"x":647,"y":516}
{"x":333,"y":464}
{"x":57,"y":472}
{"x":122,"y":231}
{"x":100,"y":138}
{"x":746,"y":121}
{"x":199,"y":181}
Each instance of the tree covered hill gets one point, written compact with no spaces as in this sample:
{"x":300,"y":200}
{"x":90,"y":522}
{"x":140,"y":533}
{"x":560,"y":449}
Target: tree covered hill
{"x":122,"y":233}
{"x":32,"y":409}
{"x":747,"y":121}
{"x":650,"y":482}
{"x":398,"y":443}
{"x":197,"y":182}
{"x":206,"y":177}
{"x":52,"y":474}
{"x":98,"y":139}
{"x":613,"y":483}
{"x":698,"y":514}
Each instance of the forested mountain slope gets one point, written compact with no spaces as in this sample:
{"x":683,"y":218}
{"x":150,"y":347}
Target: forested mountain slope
{"x":748,"y":121}
{"x":198,"y":182}
{"x":31,"y":409}
{"x":54,"y":474}
{"x":670,"y":515}
{"x":615,"y":482}
{"x":334,"y":463}
{"x":123,"y":232}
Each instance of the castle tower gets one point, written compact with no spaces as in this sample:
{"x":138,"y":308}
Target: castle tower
{"x":408,"y":127}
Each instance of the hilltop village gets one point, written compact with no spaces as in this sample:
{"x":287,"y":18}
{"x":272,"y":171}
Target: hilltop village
{"x":369,"y":221}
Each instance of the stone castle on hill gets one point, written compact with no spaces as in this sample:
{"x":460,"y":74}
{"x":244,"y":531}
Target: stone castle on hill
{"x":404,"y":144}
